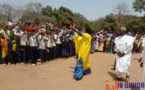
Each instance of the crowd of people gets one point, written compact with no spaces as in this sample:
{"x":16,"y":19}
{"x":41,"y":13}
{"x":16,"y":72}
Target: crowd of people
{"x":29,"y":43}
{"x":103,"y":41}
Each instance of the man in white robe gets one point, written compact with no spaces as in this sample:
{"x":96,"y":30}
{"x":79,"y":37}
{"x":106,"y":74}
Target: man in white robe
{"x":124,"y":45}
{"x":143,"y":65}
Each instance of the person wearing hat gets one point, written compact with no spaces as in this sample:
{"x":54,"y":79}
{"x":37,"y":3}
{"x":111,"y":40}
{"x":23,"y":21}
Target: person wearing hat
{"x":123,"y":48}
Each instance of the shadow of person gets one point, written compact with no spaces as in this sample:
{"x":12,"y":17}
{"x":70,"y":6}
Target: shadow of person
{"x":113,"y":75}
{"x":71,"y":67}
{"x":135,"y":59}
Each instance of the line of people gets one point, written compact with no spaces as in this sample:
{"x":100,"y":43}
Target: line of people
{"x":27,"y":43}
{"x":32,"y":44}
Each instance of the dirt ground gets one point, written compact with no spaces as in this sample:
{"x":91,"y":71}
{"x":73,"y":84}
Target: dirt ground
{"x":58,"y":74}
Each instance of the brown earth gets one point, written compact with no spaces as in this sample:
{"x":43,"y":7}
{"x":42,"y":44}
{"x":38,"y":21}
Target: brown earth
{"x":58,"y":74}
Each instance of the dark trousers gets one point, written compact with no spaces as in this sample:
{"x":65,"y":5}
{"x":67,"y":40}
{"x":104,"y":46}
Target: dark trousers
{"x":28,"y":53}
{"x":58,"y":50}
{"x":6,"y":60}
{"x":33,"y":51}
{"x":64,"y":51}
{"x":54,"y":52}
{"x":72,"y":48}
{"x":13,"y":57}
{"x":67,"y":49}
{"x":42,"y":55}
{"x":49,"y":54}
{"x":23,"y":54}
{"x":1,"y":61}
{"x":19,"y":59}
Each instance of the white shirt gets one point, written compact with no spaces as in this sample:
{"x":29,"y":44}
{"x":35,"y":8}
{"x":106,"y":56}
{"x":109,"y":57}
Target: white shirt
{"x":23,"y":38}
{"x":55,"y":36}
{"x":101,"y":37}
{"x":49,"y":43}
{"x":53,"y":43}
{"x":32,"y":41}
{"x":41,"y":42}
{"x":58,"y":41}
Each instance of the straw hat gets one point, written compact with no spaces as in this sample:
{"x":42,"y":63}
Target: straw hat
{"x":123,"y":28}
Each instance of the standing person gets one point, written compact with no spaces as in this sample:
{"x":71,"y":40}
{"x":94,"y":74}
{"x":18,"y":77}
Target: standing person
{"x":12,"y":49}
{"x":28,"y":22}
{"x":97,"y":42}
{"x":54,"y":48}
{"x":58,"y":45}
{"x":107,"y":44}
{"x":23,"y":43}
{"x":143,"y":65}
{"x":101,"y":40}
{"x":1,"y":32}
{"x":37,"y":21}
{"x":63,"y":53}
{"x":41,"y":42}
{"x":86,"y":47}
{"x":49,"y":49}
{"x":4,"y":48}
{"x":112,"y":44}
{"x":124,"y":45}
{"x":93,"y":43}
{"x":33,"y":47}
{"x":135,"y":45}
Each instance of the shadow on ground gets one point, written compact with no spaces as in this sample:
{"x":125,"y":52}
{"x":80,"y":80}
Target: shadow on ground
{"x":113,"y":75}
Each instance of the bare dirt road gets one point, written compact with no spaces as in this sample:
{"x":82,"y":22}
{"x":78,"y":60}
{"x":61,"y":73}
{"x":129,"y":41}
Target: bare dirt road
{"x":58,"y":75}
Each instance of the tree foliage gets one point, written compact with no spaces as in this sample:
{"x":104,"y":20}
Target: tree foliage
{"x":63,"y":15}
{"x":139,"y":5}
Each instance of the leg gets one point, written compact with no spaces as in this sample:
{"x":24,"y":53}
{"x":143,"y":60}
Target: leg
{"x":4,"y":57}
{"x":41,"y":55}
{"x":127,"y":76}
{"x":24,"y":55}
{"x":118,"y":76}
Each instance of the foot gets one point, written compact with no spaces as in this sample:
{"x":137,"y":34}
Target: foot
{"x":33,"y":65}
{"x":140,"y":60}
{"x":112,"y":68}
{"x":118,"y":79}
{"x":5,"y":64}
{"x":127,"y":79}
{"x":88,"y":71}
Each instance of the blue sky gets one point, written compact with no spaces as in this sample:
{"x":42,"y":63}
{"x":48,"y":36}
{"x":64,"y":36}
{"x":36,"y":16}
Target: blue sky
{"x":91,"y":9}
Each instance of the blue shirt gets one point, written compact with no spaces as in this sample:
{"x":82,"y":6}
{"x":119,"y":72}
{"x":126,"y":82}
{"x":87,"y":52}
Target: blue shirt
{"x":63,"y":31}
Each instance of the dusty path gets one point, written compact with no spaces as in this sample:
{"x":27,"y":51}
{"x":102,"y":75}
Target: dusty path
{"x":58,"y":75}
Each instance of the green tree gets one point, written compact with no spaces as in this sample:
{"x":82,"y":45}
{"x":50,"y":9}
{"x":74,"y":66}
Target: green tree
{"x":79,"y":18}
{"x":139,"y":5}
{"x":47,"y":11}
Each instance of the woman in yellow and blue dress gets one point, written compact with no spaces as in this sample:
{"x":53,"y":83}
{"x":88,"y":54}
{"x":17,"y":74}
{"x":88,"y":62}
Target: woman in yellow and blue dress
{"x":83,"y":46}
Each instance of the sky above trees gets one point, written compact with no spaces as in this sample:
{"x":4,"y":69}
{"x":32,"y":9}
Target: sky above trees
{"x":91,"y":9}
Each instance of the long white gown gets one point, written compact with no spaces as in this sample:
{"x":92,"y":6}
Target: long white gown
{"x":124,"y":44}
{"x":143,"y":60}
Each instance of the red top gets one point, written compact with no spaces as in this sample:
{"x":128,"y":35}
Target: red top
{"x":28,"y":28}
